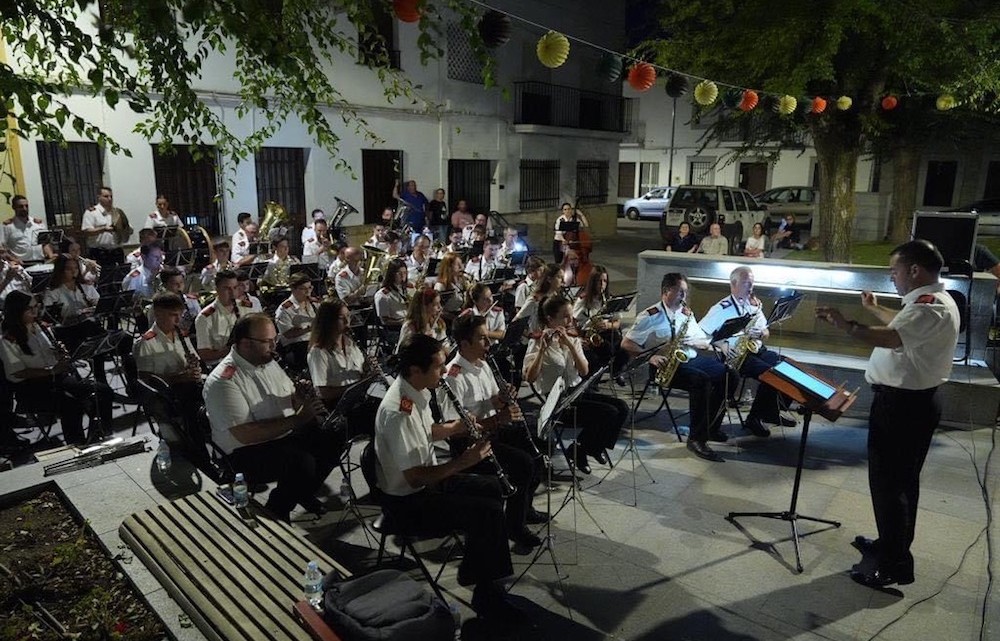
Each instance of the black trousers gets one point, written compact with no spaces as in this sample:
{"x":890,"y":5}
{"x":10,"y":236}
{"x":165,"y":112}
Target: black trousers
{"x":299,"y":463}
{"x":600,"y":419}
{"x":768,"y":401}
{"x":901,"y":424}
{"x":519,"y":467}
{"x":70,"y":398}
{"x":470,"y":503}
{"x":703,"y":378}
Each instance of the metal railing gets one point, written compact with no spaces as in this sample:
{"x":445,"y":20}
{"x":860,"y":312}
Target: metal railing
{"x":541,"y":103}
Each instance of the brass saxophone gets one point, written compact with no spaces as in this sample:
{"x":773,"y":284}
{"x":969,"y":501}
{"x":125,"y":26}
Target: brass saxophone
{"x":743,"y":348}
{"x":673,"y":353}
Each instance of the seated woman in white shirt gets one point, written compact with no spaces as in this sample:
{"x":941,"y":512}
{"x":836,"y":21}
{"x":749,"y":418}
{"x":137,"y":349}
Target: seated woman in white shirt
{"x":451,"y":283}
{"x":90,"y":271}
{"x":424,"y":317}
{"x":67,"y":289}
{"x":757,"y":242}
{"x":479,"y":302}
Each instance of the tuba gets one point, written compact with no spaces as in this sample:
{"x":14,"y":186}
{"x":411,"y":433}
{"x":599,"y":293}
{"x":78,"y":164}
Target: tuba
{"x":674,"y":354}
{"x":275,"y":217}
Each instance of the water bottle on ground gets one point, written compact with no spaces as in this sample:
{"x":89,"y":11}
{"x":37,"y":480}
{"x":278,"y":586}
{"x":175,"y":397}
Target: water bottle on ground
{"x":345,"y":492}
{"x":312,"y":584}
{"x":163,"y":456}
{"x":241,"y":495}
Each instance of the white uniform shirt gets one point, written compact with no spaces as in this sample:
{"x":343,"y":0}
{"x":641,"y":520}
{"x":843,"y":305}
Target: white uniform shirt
{"x":730,"y":307}
{"x":928,"y":326}
{"x":557,"y":362}
{"x":240,"y":248}
{"x":134,"y":258}
{"x":170,"y":220}
{"x":582,"y":313}
{"x":214,"y":324}
{"x":477,"y":269}
{"x":275,"y":265}
{"x":15,"y":360}
{"x":495,"y":321}
{"x":656,"y":323}
{"x":440,"y":333}
{"x":336,"y":265}
{"x":473,"y":384}
{"x":209,"y":271}
{"x":140,"y":281}
{"x":99,"y":217}
{"x":336,"y":367}
{"x":20,"y":237}
{"x":237,"y":393}
{"x":523,"y":292}
{"x":391,"y":303}
{"x":292,"y":314}
{"x":154,"y":353}
{"x":191,"y":310}
{"x":402,"y":436}
{"x":251,"y":304}
{"x":414,"y":268}
{"x":73,"y":301}
{"x":346,"y":282}
{"x":311,"y":247}
{"x":20,"y":279}
{"x":308,"y":235}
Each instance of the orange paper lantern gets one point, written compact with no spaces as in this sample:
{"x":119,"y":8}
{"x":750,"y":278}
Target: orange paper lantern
{"x":749,"y":100}
{"x":642,"y":76}
{"x":889,"y":102}
{"x":818,"y":105}
{"x":406,"y":10}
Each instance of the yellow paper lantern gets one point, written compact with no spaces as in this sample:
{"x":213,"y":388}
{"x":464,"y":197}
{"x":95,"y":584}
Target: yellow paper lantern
{"x":844,"y":103}
{"x":786,"y":105}
{"x":945,"y":102}
{"x":552,"y":49}
{"x":705,"y":93}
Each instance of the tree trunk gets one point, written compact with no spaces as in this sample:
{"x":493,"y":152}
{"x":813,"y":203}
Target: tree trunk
{"x":838,"y":168}
{"x":905,"y":169}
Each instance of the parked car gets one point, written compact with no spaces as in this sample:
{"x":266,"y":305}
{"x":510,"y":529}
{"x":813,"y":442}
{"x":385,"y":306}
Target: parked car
{"x":781,"y":201}
{"x":701,"y":205}
{"x":989,"y":215}
{"x":650,"y":205}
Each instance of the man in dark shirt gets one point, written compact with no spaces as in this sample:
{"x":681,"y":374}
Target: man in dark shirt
{"x":417,"y":215}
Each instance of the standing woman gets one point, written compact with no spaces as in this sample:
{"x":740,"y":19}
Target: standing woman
{"x":424,"y":317}
{"x":554,"y":354}
{"x":451,"y":283}
{"x":568,"y":214}
{"x":585,"y":313}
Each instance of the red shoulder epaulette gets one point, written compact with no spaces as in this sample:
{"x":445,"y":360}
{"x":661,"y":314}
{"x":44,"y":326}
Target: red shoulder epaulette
{"x":926,"y":298}
{"x":454,"y":370}
{"x":149,"y":335}
{"x":208,"y":310}
{"x":135,"y":272}
{"x":38,"y":221}
{"x":227,"y":373}
{"x":405,"y":405}
{"x":287,"y":304}
{"x":653,"y":311}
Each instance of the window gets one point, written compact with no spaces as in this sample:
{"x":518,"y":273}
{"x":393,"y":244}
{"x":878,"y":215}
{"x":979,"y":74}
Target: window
{"x":701,"y":172}
{"x":940,"y":186}
{"x":539,"y":184}
{"x":626,"y":180}
{"x":281,"y":177}
{"x":592,"y":182}
{"x":462,"y":62}
{"x":71,"y":177}
{"x":190,"y":185}
{"x":649,"y":176}
{"x":376,"y":42}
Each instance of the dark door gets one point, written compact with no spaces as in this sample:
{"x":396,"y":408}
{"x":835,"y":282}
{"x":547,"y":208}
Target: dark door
{"x":469,"y":180}
{"x":940,"y":185}
{"x":992,"y":189}
{"x":753,"y":176}
{"x":380,"y":168}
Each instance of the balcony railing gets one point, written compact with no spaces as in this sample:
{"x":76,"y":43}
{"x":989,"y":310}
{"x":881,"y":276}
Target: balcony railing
{"x":540,"y":103}
{"x":761,"y":130}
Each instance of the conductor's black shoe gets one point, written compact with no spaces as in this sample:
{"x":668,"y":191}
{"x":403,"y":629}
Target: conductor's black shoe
{"x":784,"y":422}
{"x":535,"y":517}
{"x":880,"y":578}
{"x":756,"y":427}
{"x":702,"y":450}
{"x":865,"y":545}
{"x":525,"y":538}
{"x":491,"y":603}
{"x":718,"y":436}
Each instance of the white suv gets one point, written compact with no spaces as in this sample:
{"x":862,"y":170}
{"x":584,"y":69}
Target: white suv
{"x":701,"y":205}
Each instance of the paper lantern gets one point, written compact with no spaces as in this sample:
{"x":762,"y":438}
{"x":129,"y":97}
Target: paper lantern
{"x":705,"y":93}
{"x":642,"y":76}
{"x":946,"y":102}
{"x":818,"y":105}
{"x":748,"y":101}
{"x":494,"y":29}
{"x":611,"y":67}
{"x":406,"y":10}
{"x":889,"y":102}
{"x":786,"y":105}
{"x":676,"y":85}
{"x":844,"y":103}
{"x":552,"y":49}
{"x":731,"y":98}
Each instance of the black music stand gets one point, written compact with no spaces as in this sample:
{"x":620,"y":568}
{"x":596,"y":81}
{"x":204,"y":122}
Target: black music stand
{"x":49,"y":237}
{"x":337,"y":421}
{"x":814,"y":395}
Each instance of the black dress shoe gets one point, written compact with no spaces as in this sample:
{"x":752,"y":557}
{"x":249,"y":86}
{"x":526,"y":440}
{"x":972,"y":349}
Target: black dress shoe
{"x":755,"y":427}
{"x":524,"y":537}
{"x":865,"y":545}
{"x":580,"y":458}
{"x":880,"y":578}
{"x":490,"y":602}
{"x":601,"y":456}
{"x":717,"y":436}
{"x":535,"y":517}
{"x":312,"y":504}
{"x":785,"y":422}
{"x":702,"y":450}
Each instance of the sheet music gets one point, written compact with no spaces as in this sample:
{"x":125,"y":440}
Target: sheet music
{"x":545,"y":414}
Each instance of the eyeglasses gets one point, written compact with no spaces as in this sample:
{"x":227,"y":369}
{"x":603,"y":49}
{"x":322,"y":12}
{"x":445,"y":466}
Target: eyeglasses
{"x":266,"y":341}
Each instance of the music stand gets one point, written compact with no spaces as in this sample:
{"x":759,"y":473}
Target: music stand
{"x":311,"y":270}
{"x":256,"y":270}
{"x":814,"y":394}
{"x":784,"y":307}
{"x":259,"y":247}
{"x":502,"y":273}
{"x":518,"y":258}
{"x":49,"y":237}
{"x":337,"y":420}
{"x":166,"y":232}
{"x":729,"y":328}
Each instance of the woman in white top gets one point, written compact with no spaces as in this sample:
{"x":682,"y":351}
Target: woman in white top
{"x":424,"y":317}
{"x":392,"y":300}
{"x":568,"y":214}
{"x":549,"y":282}
{"x":90,"y":271}
{"x":755,"y":245}
{"x":163,"y":216}
{"x":556,"y":353}
{"x":451,"y":283}
{"x":602,"y":335}
{"x":68,"y":289}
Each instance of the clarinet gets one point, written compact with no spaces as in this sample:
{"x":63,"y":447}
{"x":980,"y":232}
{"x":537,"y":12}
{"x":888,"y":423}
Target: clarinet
{"x":506,"y":487}
{"x":536,"y":454}
{"x":194,"y":362}
{"x":305,"y":389}
{"x":62,"y":353}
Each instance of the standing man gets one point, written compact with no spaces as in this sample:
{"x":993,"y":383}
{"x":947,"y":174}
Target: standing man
{"x":417,"y":216}
{"x":19,"y":235}
{"x":106,"y":228}
{"x":439,"y":218}
{"x":912,"y":356}
{"x":701,"y":375}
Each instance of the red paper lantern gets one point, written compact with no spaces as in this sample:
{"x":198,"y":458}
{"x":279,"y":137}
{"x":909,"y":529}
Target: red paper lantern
{"x":889,"y":102}
{"x":642,"y":76}
{"x":818,"y":105}
{"x":749,"y":100}
{"x":406,"y":10}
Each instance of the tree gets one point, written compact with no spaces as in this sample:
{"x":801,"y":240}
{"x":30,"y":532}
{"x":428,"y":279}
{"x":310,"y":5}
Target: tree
{"x":150,"y":53}
{"x":863,"y":49}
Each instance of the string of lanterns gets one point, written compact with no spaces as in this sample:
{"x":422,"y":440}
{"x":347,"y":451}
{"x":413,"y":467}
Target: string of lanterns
{"x":553,"y":49}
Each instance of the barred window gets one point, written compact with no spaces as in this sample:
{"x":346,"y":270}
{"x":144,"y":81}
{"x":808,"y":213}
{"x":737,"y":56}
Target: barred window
{"x":70,"y":177}
{"x":462,"y":63}
{"x":592,"y":182}
{"x":649,"y":176}
{"x":281,"y":177}
{"x":702,"y":172}
{"x":190,"y":184}
{"x":377,"y":41}
{"x":539,"y":184}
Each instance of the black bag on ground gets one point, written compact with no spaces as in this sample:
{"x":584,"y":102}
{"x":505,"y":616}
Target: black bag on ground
{"x":385,"y":605}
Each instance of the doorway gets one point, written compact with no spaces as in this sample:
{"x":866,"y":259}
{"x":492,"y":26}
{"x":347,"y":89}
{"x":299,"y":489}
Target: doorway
{"x":380,"y":168}
{"x":753,"y":176}
{"x":469,"y":180}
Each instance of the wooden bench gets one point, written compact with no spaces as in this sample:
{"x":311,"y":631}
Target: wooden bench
{"x":238,"y":578}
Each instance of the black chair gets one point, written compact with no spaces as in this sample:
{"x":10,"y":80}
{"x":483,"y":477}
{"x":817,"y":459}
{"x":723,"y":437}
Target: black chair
{"x":665,"y":394}
{"x":962,"y":272}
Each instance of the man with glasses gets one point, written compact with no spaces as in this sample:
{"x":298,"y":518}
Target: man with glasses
{"x":263,"y":426}
{"x":217,"y":319}
{"x":294,"y":319}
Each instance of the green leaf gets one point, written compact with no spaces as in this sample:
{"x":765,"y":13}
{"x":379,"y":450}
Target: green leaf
{"x":111,"y":97}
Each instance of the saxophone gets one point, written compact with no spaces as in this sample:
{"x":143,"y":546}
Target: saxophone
{"x":674,"y":354}
{"x":743,"y":348}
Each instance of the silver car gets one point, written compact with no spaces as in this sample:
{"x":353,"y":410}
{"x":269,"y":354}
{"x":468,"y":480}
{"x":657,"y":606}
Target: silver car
{"x":651,"y":205}
{"x":799,"y":201}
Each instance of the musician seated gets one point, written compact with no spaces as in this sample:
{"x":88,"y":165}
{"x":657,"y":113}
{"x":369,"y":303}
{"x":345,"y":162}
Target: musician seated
{"x":43,"y":380}
{"x":243,"y":239}
{"x":555,"y":353}
{"x":393,"y":243}
{"x":377,"y":238}
{"x":451,"y":283}
{"x":427,"y":495}
{"x":217,"y":319}
{"x":309,"y":232}
{"x":90,"y":271}
{"x":248,"y":302}
{"x":602,"y":333}
{"x":455,"y":245}
{"x":294,"y":319}
{"x":67,"y":289}
{"x":416,"y":262}
{"x":317,"y":241}
{"x":469,"y":376}
{"x":475,"y":233}
{"x":423,"y":316}
{"x":674,"y":327}
{"x":481,"y":267}
{"x":278,"y":266}
{"x":350,"y":281}
{"x":549,"y":283}
{"x":532,"y":272}
{"x":479,"y":302}
{"x":141,"y":280}
{"x":173,"y":282}
{"x":339,"y":261}
{"x":767,"y":403}
{"x":267,"y":430}
{"x":393,"y":298}
{"x":134,"y":257}
{"x":220,"y":261}
{"x":13,"y":277}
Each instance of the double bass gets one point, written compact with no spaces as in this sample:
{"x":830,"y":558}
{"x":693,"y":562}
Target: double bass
{"x":580,"y":242}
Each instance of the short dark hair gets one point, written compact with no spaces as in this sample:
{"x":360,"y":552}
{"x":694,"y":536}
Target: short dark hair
{"x":464,"y":326}
{"x":146,"y":232}
{"x":16,"y":198}
{"x":148,"y":247}
{"x":168,"y":301}
{"x":298,"y":279}
{"x":243,"y":216}
{"x":920,"y":252}
{"x":222,"y":241}
{"x":245,"y":324}
{"x":416,"y":350}
{"x":671,"y":280}
{"x":169,"y":272}
{"x":225,"y":274}
{"x":314,"y":212}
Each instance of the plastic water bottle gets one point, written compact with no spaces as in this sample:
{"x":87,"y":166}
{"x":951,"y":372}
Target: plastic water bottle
{"x":312,"y":584}
{"x":163,"y":456}
{"x":345,"y":492}
{"x":240,"y":495}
